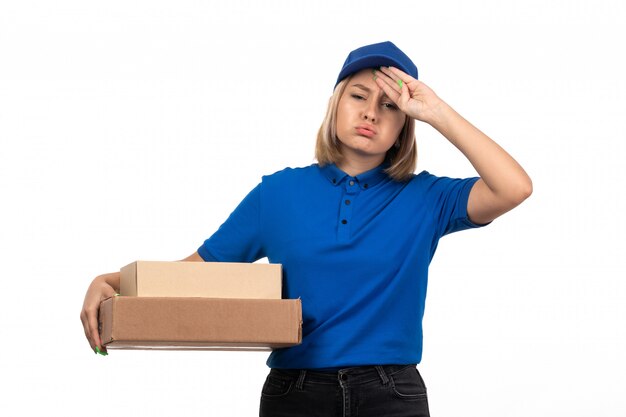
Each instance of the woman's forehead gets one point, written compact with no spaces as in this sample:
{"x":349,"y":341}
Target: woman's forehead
{"x":366,"y":74}
{"x":364,"y":80}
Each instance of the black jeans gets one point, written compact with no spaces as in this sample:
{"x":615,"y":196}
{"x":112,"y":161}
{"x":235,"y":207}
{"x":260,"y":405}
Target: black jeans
{"x":365,"y":391}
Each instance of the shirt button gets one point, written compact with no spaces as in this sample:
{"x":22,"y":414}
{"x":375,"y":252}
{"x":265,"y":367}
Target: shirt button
{"x":347,"y":202}
{"x":344,"y":221}
{"x":365,"y":185}
{"x":334,"y":180}
{"x":351,"y":182}
{"x":343,"y":377}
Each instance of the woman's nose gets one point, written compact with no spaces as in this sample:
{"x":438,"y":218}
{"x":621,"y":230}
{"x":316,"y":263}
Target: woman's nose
{"x":369,"y":112}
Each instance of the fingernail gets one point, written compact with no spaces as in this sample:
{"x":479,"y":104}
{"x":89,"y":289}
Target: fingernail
{"x":400,"y":83}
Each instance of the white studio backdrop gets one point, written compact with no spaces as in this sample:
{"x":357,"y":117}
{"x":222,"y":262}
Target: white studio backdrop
{"x":131,"y":129}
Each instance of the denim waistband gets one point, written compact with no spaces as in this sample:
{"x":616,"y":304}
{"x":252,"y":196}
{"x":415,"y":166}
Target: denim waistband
{"x":351,"y":375}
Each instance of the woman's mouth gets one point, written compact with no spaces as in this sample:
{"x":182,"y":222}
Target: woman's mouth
{"x":361,"y":130}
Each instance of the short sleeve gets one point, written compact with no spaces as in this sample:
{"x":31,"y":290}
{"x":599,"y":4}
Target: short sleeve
{"x":238,"y":239}
{"x":449,"y":197}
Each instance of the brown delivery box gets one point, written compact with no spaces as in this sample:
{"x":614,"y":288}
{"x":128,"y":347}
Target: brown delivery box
{"x":201,"y":279}
{"x":199,"y":323}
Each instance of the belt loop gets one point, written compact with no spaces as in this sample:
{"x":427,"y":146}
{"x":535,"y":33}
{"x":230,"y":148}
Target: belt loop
{"x":382,"y":374}
{"x":300,"y":382}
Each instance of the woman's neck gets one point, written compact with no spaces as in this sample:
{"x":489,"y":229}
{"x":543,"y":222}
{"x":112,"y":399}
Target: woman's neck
{"x":354,"y":167}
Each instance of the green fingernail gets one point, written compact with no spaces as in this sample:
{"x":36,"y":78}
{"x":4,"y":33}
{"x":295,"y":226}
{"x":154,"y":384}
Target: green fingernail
{"x":117,"y":295}
{"x":400,"y":83}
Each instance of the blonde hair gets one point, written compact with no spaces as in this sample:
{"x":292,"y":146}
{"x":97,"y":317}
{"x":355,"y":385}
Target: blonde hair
{"x":402,"y":159}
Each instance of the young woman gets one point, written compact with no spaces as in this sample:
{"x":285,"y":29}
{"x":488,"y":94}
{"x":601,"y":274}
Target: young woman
{"x":355,"y":234}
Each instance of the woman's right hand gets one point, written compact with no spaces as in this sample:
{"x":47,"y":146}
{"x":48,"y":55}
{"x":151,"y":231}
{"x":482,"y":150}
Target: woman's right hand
{"x":100,"y":289}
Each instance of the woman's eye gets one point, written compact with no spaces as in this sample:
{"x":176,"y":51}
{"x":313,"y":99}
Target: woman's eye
{"x":389,"y":106}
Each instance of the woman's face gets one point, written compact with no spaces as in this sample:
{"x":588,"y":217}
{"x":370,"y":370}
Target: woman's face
{"x":368,"y":122}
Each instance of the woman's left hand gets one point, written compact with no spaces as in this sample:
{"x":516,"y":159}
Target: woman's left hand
{"x":411,"y":96}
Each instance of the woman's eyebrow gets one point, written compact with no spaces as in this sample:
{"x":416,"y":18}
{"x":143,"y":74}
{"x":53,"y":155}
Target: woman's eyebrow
{"x":362,"y":87}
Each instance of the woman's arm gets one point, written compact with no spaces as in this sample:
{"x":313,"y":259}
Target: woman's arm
{"x":503,"y":183}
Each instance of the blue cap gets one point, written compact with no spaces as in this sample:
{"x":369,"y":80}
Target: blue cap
{"x":377,"y":55}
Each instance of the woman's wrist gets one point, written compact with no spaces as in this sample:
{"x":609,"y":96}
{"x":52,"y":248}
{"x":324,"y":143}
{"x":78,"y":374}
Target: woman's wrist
{"x":112,"y":279}
{"x":437,"y":113}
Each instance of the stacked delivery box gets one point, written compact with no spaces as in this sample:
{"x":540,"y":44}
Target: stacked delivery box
{"x":200,"y":305}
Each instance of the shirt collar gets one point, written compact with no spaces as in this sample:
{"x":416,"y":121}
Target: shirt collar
{"x":365,"y":180}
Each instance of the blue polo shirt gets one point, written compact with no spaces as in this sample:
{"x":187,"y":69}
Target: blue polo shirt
{"x":356,"y":250}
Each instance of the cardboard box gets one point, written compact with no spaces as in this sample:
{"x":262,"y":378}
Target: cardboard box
{"x":199,"y":323}
{"x":201,"y":279}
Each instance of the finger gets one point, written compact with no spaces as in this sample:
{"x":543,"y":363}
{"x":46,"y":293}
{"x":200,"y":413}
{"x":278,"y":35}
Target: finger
{"x":406,"y":78}
{"x":389,"y":87}
{"x":85,"y":322}
{"x":92,"y":317}
{"x":394,"y":82}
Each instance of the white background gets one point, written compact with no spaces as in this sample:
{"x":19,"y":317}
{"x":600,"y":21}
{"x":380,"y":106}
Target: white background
{"x":131,"y":129}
